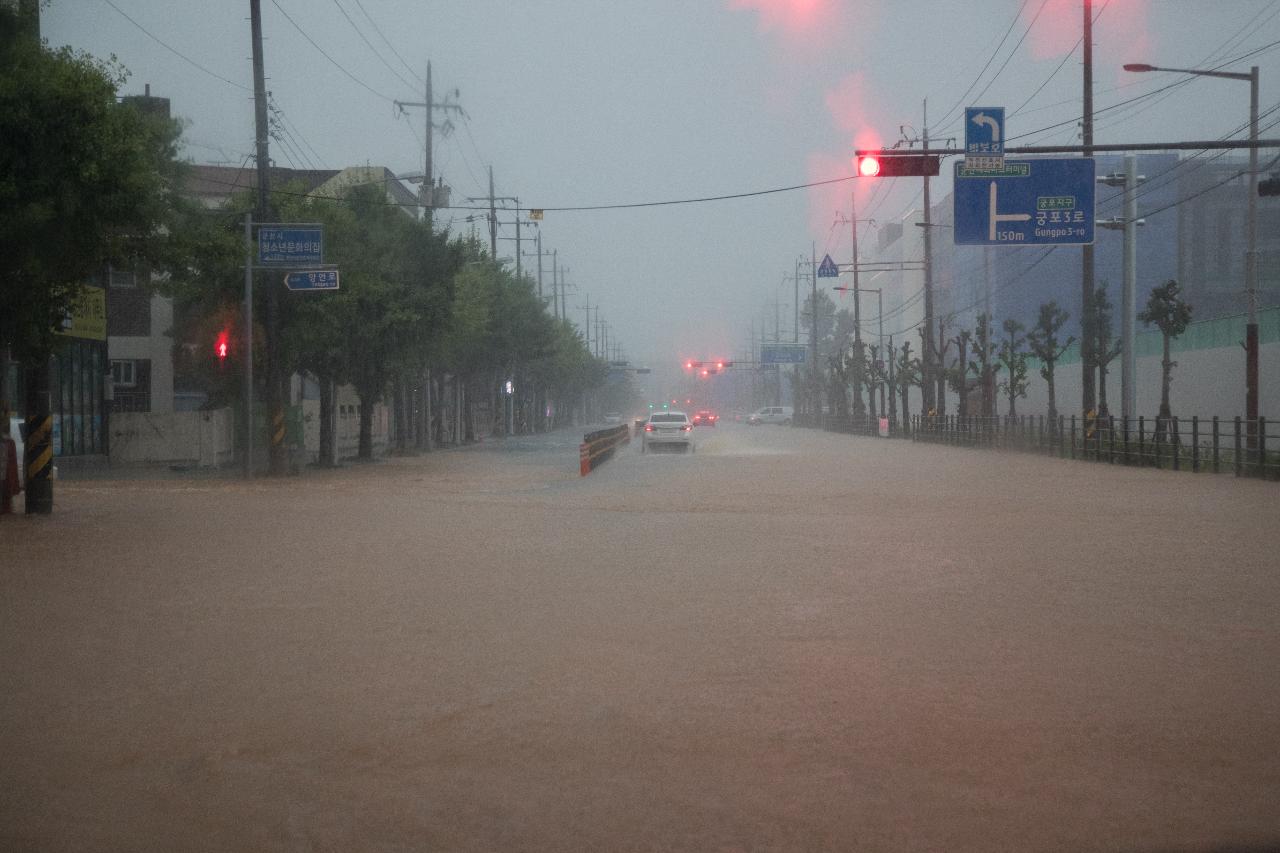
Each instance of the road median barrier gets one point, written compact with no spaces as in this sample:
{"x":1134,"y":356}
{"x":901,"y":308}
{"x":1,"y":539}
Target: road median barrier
{"x":598,"y":446}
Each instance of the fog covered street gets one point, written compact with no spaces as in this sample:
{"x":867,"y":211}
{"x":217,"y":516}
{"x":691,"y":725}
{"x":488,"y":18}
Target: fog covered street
{"x":790,"y":640}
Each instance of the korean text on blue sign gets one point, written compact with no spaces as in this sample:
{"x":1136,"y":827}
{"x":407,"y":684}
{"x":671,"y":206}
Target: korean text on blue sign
{"x":290,"y":245}
{"x":1045,"y":201}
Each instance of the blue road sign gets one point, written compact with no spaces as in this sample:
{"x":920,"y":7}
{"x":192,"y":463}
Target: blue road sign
{"x":984,"y":131}
{"x":1042,"y":202}
{"x":828,"y":268}
{"x":290,"y":244}
{"x":312,"y":280}
{"x":783,"y":353}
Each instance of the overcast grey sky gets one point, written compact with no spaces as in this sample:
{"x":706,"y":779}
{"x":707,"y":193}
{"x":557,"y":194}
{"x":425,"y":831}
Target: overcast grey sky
{"x":587,"y":102}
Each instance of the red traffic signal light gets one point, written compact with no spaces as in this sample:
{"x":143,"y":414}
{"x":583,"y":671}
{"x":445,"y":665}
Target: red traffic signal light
{"x":896,"y":165}
{"x":220,"y":347}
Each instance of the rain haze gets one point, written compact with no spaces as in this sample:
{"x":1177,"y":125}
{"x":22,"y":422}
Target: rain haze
{"x":771,"y":507}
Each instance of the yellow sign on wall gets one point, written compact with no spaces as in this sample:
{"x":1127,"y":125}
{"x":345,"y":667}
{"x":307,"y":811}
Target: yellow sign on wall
{"x":88,"y":316}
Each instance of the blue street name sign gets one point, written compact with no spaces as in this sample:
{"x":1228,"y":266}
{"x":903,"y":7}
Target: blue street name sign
{"x":1041,"y":202}
{"x":290,"y":245}
{"x":312,"y":280}
{"x":984,"y":132}
{"x":828,"y":268}
{"x":783,"y":354}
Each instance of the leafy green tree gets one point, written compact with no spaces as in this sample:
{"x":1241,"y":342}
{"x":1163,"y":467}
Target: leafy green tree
{"x":1167,"y":311}
{"x":1044,"y":343}
{"x":84,"y":181}
{"x":1014,"y":361}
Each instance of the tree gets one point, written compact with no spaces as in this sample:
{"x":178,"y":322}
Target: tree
{"x":958,"y":375}
{"x":1168,"y":312}
{"x":1043,"y":340}
{"x":986,"y":367}
{"x":1014,"y":361}
{"x":1104,"y":351}
{"x":907,"y":372}
{"x":84,"y":181}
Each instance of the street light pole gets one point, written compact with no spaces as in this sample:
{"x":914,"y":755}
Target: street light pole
{"x":1251,"y":406}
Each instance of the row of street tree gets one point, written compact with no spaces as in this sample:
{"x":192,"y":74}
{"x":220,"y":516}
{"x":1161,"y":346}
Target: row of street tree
{"x":981,"y":366}
{"x":427,"y":321}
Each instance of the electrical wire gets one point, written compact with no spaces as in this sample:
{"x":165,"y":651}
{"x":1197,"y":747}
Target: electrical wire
{"x":388,"y":43}
{"x":990,"y":59}
{"x":369,"y":45}
{"x":326,"y":55}
{"x":174,"y":50}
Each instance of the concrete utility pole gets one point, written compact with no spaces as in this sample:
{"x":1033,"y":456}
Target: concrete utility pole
{"x":927,"y":357}
{"x":555,"y":284}
{"x":493,"y":221}
{"x":1088,"y":393}
{"x":813,"y":334}
{"x":276,"y":462}
{"x":426,"y":198}
{"x":858,"y":409}
{"x":1129,"y":308}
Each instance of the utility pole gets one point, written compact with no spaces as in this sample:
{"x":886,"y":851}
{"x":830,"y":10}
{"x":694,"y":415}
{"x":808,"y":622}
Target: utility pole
{"x":426,"y":200}
{"x":555,"y":284}
{"x":813,"y":333}
{"x":1088,"y":392}
{"x":276,"y":462}
{"x":859,"y":411}
{"x":1251,"y":404}
{"x":1129,"y":307}
{"x":926,"y":357}
{"x":493,"y":221}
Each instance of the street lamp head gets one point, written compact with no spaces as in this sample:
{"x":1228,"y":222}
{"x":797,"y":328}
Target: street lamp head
{"x":1139,"y":66}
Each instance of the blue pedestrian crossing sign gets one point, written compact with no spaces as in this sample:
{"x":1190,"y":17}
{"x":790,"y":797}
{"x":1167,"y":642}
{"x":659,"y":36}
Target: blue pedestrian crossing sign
{"x":828,"y":268}
{"x":984,"y":137}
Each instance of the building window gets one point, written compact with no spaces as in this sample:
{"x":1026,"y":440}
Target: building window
{"x":124,"y":373}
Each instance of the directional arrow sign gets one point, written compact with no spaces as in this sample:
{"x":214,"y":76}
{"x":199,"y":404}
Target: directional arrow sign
{"x":828,"y":268}
{"x":1040,"y":202}
{"x":312,"y":280}
{"x":984,"y":137}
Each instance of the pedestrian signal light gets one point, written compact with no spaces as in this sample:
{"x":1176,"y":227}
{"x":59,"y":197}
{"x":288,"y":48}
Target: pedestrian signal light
{"x":220,"y":347}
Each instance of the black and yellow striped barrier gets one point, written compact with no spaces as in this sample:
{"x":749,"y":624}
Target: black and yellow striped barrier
{"x":598,"y":446}
{"x":39,"y":452}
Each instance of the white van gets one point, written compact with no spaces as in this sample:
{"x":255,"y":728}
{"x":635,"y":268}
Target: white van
{"x":771,"y":415}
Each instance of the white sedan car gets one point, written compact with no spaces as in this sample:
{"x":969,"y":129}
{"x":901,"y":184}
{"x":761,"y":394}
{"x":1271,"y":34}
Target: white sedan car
{"x":668,"y":428}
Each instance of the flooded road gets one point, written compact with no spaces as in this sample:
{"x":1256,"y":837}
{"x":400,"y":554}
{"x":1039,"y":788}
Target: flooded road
{"x":789,"y":640}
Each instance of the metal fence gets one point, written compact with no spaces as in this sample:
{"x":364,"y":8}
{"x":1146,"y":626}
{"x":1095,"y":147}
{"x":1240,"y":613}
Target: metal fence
{"x":1245,"y":448}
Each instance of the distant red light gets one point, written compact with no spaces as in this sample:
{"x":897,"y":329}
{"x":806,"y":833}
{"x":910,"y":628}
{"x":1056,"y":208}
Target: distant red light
{"x":868,"y":167}
{"x":220,"y":346}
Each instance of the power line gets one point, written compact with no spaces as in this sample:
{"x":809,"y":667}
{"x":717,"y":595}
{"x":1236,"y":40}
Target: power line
{"x":325,"y":54}
{"x":174,"y":50}
{"x":990,"y":59}
{"x":369,"y":44}
{"x":388,"y":43}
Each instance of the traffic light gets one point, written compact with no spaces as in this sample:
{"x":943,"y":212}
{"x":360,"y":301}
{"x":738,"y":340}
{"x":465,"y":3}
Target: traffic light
{"x":896,"y":165}
{"x":220,"y":347}
{"x":1271,"y":186}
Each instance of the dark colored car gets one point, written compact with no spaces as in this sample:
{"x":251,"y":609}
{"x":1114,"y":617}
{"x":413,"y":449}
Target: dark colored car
{"x":705,"y":417}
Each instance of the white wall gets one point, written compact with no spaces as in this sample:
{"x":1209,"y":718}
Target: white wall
{"x":203,"y":439}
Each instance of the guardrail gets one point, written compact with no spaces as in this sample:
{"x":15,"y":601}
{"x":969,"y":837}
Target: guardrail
{"x":1245,"y":448}
{"x":598,"y":446}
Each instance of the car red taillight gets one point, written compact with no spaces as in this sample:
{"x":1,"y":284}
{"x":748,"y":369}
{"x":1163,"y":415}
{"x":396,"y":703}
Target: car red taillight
{"x":648,"y":427}
{"x":687,"y":427}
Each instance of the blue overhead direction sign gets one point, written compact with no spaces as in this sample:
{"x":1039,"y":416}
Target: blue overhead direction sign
{"x":1042,"y":202}
{"x":290,"y":244}
{"x":828,"y":268}
{"x":783,"y":354}
{"x":312,"y":280}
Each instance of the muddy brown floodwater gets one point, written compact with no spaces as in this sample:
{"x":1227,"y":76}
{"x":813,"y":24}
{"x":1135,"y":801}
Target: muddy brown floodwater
{"x":787,"y":641}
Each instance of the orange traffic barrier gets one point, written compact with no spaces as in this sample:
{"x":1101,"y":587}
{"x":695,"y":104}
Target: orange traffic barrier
{"x":584,"y":459}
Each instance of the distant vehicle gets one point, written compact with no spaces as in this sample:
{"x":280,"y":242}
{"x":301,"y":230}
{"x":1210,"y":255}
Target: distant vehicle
{"x":705,"y":417}
{"x":771,"y":415}
{"x":671,"y":428}
{"x":613,"y":418}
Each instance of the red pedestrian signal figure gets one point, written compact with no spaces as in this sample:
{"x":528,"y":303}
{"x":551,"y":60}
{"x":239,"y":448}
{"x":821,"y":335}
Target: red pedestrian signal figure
{"x":220,"y":348}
